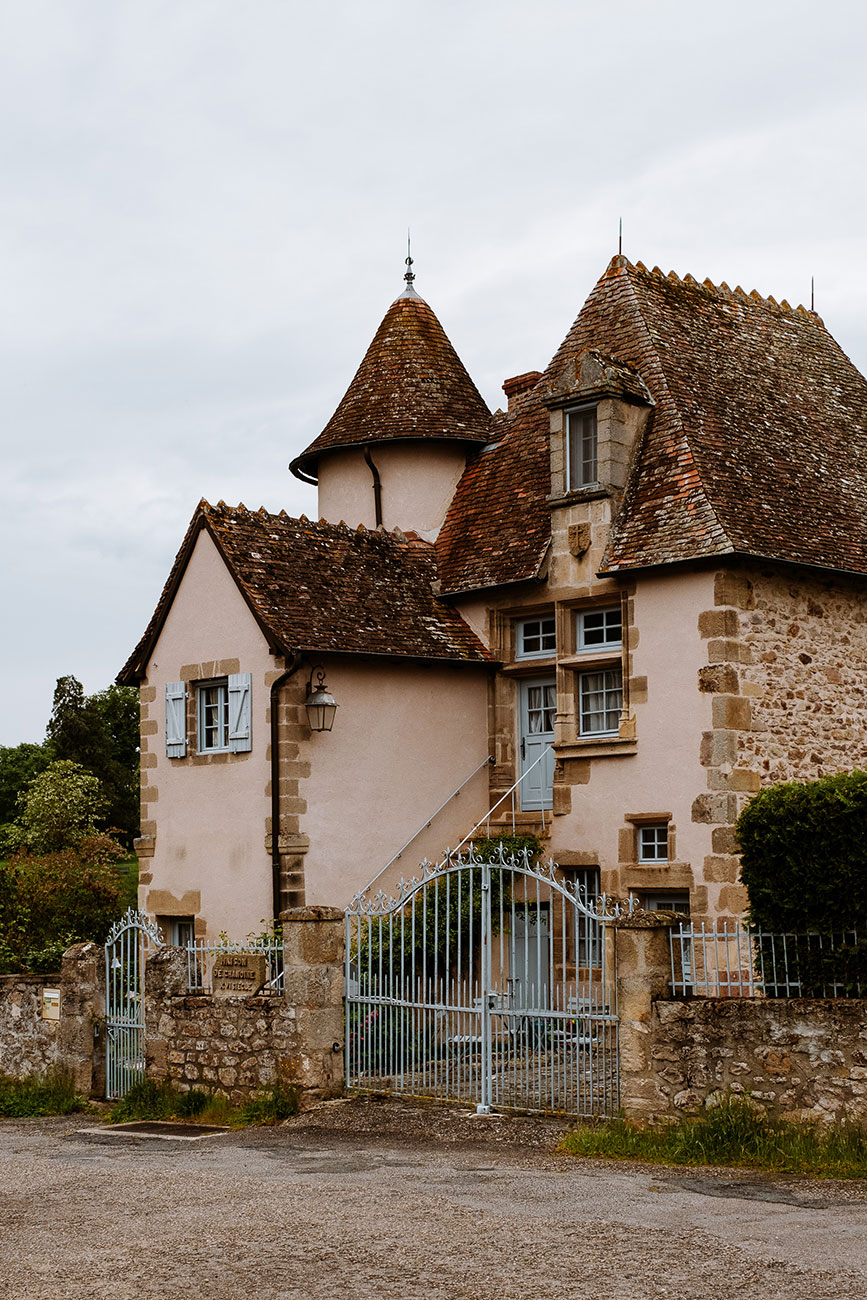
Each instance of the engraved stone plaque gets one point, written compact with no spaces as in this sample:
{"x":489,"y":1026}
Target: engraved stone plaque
{"x":238,"y":974}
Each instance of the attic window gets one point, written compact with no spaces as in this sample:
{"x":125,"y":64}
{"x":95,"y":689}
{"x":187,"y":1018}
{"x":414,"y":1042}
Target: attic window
{"x":581,"y":448}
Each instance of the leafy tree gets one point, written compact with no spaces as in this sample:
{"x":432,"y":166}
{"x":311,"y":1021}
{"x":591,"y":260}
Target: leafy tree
{"x":59,"y":808}
{"x":51,"y":900}
{"x":101,"y":733}
{"x":18,"y":766}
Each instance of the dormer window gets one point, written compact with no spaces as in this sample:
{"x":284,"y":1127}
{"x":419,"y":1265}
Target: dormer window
{"x":581,"y":447}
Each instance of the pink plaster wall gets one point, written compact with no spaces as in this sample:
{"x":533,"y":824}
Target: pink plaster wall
{"x":211,"y":816}
{"x":418,"y":483}
{"x":405,"y":736}
{"x":664,"y":774}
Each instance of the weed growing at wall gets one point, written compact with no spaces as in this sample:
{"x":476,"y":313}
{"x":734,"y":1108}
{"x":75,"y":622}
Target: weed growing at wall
{"x":149,"y":1100}
{"x":733,"y":1133}
{"x":52,"y":1093}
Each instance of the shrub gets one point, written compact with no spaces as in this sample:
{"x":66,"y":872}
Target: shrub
{"x":804,"y":854}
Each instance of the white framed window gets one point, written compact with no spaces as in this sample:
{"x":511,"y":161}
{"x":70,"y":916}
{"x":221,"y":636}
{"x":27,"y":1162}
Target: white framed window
{"x":223,"y":715}
{"x":653,"y":842}
{"x":213,"y":719}
{"x":536,"y":638}
{"x":600,"y":699}
{"x":581,"y":448}
{"x":599,"y":629}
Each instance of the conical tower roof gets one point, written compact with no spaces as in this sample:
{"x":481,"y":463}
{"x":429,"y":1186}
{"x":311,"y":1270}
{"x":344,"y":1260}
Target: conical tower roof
{"x":411,"y":385}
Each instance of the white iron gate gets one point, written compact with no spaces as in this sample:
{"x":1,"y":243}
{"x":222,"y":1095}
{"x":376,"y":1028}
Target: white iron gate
{"x":485,"y":982}
{"x":126,"y":950}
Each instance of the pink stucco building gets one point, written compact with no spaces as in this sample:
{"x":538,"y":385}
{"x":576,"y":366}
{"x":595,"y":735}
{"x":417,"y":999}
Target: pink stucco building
{"x":640,"y":588}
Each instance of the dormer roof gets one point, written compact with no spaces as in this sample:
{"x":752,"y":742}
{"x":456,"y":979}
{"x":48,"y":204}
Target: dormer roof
{"x":411,"y":385}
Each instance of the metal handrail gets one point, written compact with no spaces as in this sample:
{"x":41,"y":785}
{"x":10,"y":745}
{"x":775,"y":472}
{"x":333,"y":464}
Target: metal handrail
{"x":486,"y":762}
{"x":486,"y":820}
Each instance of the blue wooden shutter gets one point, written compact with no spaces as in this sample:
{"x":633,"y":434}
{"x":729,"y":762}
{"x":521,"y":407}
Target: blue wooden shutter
{"x":239,"y":712}
{"x":176,"y":719}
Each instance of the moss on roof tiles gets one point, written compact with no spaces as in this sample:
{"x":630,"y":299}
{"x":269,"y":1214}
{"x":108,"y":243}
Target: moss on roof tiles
{"x":410,"y":385}
{"x":325,"y":587}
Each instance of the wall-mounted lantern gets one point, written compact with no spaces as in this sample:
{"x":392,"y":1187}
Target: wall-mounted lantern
{"x":320,"y":703}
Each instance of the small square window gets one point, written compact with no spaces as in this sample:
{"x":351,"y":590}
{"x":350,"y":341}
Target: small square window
{"x":581,"y":444}
{"x":536,"y":638}
{"x":213,"y":719}
{"x":653,"y":842}
{"x":600,"y":629}
{"x":600,"y":697}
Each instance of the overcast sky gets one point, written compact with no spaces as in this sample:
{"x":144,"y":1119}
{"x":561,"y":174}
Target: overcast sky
{"x":203,"y":213}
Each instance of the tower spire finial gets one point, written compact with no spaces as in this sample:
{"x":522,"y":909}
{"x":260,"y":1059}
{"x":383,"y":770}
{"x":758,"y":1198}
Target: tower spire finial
{"x":409,"y":277}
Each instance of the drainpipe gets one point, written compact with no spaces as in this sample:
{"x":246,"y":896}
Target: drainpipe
{"x":377,"y":487}
{"x":276,"y":687}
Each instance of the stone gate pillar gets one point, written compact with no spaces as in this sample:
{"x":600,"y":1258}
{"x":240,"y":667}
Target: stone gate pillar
{"x":643,"y":965}
{"x":81,"y":1032}
{"x":313,"y":951}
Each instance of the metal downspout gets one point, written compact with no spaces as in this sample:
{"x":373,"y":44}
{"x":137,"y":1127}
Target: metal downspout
{"x":276,"y":687}
{"x":377,"y":487}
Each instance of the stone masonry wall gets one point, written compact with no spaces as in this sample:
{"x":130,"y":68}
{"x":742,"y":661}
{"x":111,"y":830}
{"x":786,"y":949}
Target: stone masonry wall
{"x":28,"y":1044}
{"x":787,"y":672}
{"x":797,"y":1059}
{"x":238,"y":1045}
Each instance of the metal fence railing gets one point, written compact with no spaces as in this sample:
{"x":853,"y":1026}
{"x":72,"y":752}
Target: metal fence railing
{"x":733,"y":960}
{"x":203,"y":957}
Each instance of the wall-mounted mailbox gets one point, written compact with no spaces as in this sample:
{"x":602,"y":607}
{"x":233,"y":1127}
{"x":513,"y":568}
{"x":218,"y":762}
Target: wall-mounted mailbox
{"x":51,"y":1004}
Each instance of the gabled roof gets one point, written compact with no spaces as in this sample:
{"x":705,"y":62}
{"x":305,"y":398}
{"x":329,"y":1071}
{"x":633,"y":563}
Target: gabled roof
{"x":756,"y":443}
{"x":410,"y":385}
{"x":498,"y":526}
{"x":323,"y":587}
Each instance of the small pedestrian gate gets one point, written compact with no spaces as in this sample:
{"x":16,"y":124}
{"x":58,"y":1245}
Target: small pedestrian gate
{"x":485,"y":982}
{"x":126,"y":949}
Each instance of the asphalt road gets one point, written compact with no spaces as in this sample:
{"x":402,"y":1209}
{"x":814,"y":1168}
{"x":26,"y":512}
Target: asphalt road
{"x":382,"y":1200}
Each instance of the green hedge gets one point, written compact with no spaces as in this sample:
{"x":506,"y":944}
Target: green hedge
{"x":804,"y":855}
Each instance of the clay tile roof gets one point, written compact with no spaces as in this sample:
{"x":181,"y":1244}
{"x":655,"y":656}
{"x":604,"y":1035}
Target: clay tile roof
{"x":324,"y":587}
{"x":758,"y":440}
{"x":410,"y":385}
{"x":498,"y":527}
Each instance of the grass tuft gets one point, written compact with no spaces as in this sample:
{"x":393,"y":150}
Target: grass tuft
{"x":147,"y":1099}
{"x":52,"y":1093}
{"x":732,"y":1133}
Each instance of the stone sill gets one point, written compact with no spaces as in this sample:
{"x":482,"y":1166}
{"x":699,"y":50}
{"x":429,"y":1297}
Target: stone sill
{"x":614,"y":747}
{"x":579,"y":496}
{"x":529,"y":667}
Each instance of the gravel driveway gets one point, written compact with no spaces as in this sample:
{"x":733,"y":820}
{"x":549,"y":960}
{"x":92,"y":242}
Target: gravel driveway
{"x":388,"y":1200}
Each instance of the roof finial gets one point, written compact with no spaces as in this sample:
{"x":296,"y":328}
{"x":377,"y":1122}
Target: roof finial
{"x":813,"y":294}
{"x":409,"y":277}
{"x":620,"y":239}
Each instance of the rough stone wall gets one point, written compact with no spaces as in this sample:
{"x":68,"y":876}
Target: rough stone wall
{"x":28,"y":1044}
{"x":796,"y":1059}
{"x":240,"y":1045}
{"x":787,"y":673}
{"x":806,"y":675}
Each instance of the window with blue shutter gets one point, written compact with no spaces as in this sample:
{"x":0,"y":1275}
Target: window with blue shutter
{"x":176,"y":719}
